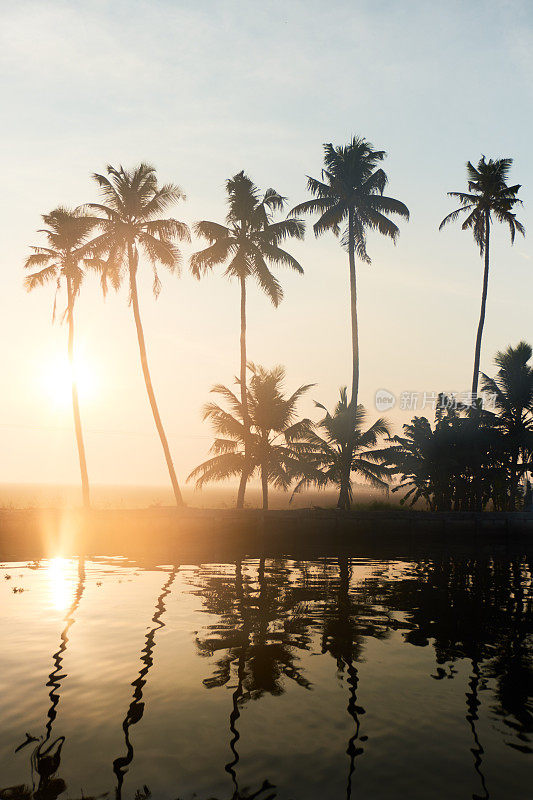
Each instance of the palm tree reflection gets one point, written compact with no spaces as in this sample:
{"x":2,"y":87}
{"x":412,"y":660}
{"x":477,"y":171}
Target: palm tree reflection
{"x":136,"y":708}
{"x":262,"y":624}
{"x":346,"y":620}
{"x":46,"y":756}
{"x":266,"y":615}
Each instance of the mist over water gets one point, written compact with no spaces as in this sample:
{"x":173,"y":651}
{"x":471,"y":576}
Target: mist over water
{"x":42,"y":495}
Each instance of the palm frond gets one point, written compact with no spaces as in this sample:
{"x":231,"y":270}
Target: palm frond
{"x":40,"y":278}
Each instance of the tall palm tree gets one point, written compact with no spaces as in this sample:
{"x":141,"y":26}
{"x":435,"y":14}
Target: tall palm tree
{"x":131,"y":222}
{"x":67,"y":233}
{"x":273,"y":443}
{"x":512,"y":389}
{"x":249,"y":244}
{"x":351,"y":193}
{"x":344,"y":448}
{"x":488,"y":196}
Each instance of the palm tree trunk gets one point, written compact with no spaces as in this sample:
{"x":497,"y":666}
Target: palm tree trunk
{"x":244,"y":400}
{"x":146,"y":373}
{"x":514,"y":479}
{"x":75,"y":399}
{"x":477,"y":355}
{"x":343,"y":502}
{"x":344,"y":495}
{"x":353,"y":307}
{"x":264,"y":486}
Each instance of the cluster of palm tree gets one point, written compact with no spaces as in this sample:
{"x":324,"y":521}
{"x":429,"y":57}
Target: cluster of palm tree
{"x":259,"y":434}
{"x":473,"y":455}
{"x":283,"y":450}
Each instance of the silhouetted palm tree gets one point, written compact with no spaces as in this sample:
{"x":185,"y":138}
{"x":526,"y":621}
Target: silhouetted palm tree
{"x":425,"y":471}
{"x":351,"y":193}
{"x":512,"y":389}
{"x":62,"y":261}
{"x":345,"y":448}
{"x":249,"y":244}
{"x":459,"y":464}
{"x":275,"y":440}
{"x":132,"y":222}
{"x":488,"y":196}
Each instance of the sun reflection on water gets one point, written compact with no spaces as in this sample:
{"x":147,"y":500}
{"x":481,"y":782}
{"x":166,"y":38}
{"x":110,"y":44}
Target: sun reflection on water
{"x":59,"y":585}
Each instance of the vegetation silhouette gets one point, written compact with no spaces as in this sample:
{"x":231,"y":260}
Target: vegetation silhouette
{"x":131,"y":222}
{"x":277,"y":441}
{"x":344,"y":448}
{"x":351,"y":193}
{"x":512,"y":390}
{"x":472,"y":456}
{"x":249,"y":244}
{"x":62,"y":262}
{"x":488,"y":197}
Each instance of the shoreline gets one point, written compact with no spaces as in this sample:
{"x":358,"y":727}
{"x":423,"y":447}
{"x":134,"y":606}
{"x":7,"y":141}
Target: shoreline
{"x":167,"y":534}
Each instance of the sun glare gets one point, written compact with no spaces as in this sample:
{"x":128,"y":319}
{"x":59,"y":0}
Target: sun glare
{"x":60,"y":589}
{"x":57,"y":379}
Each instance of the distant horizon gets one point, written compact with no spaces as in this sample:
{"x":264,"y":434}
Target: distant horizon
{"x":21,"y":496}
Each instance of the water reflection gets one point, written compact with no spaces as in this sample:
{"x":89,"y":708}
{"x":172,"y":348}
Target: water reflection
{"x":135,"y":711}
{"x":465,"y":623}
{"x":59,"y":585}
{"x":45,"y":758}
{"x":480,"y":610}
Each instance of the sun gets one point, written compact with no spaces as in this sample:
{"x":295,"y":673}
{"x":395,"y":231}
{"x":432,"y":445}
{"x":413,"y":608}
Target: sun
{"x":57,"y":378}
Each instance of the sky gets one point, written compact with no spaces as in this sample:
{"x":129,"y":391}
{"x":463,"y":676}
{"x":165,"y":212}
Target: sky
{"x":202,"y":91}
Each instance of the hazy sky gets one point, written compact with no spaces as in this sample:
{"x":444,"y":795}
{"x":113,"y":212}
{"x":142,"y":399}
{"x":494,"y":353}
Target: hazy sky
{"x":203,"y":90}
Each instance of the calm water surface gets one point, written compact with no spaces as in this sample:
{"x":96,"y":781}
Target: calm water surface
{"x":275,"y":677}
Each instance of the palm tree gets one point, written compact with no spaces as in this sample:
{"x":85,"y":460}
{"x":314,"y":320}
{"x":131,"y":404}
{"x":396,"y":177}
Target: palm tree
{"x":345,"y":448}
{"x":512,"y":389}
{"x":457,"y":464}
{"x":132,"y":222}
{"x":418,"y":456}
{"x":249,"y":244}
{"x":351,"y":193}
{"x":275,"y":440}
{"x":67,"y":233}
{"x":488,"y":196}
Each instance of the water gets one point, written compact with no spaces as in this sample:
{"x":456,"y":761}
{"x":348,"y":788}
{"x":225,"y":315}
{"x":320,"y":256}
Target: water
{"x":332,"y":677}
